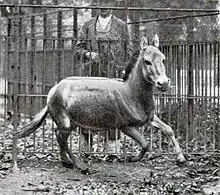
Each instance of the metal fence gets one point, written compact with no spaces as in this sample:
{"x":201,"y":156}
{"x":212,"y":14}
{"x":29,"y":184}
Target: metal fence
{"x":191,"y":107}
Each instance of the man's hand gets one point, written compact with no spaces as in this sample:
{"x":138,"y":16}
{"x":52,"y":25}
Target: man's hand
{"x":93,"y":55}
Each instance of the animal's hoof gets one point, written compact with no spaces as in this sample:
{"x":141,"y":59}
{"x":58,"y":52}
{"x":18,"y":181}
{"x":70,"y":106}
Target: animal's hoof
{"x":131,"y":159}
{"x":181,"y":159}
{"x":135,"y":159}
{"x":85,"y":171}
{"x":112,"y":158}
{"x":88,"y":171}
{"x":68,"y":165}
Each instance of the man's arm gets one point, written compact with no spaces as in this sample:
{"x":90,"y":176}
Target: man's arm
{"x":81,"y":47}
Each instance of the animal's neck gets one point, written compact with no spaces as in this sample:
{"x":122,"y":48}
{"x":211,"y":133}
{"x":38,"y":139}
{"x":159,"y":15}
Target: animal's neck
{"x":136,"y":81}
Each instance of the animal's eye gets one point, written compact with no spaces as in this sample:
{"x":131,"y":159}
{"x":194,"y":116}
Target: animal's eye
{"x":147,"y":62}
{"x":163,"y":61}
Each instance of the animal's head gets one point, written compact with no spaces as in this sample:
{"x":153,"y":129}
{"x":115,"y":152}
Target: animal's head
{"x":153,"y":67}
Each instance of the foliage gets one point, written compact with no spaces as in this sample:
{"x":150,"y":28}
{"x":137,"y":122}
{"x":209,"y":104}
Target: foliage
{"x":201,"y":128}
{"x":198,"y":29}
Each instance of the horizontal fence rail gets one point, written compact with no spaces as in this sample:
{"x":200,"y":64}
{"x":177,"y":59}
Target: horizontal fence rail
{"x":113,"y":8}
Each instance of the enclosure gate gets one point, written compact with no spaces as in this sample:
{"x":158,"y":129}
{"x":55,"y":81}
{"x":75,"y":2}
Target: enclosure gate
{"x":34,"y":61}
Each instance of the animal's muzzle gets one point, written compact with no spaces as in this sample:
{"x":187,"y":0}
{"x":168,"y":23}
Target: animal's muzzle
{"x":163,"y":83}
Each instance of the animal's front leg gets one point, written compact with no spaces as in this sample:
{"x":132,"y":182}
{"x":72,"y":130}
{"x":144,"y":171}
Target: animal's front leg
{"x":139,"y":138}
{"x":169,"y":132}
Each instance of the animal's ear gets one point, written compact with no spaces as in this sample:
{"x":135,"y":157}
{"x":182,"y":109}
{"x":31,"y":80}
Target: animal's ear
{"x":144,"y":42}
{"x":155,"y":41}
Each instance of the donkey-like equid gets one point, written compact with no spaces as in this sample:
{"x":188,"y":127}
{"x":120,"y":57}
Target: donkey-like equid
{"x":103,"y":104}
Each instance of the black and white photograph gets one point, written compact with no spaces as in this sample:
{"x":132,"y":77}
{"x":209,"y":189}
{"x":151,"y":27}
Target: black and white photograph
{"x":109,"y":97}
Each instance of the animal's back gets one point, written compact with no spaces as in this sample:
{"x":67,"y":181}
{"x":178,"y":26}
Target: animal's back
{"x":92,"y":83}
{"x":89,"y":101}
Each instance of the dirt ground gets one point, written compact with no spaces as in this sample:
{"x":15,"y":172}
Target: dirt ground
{"x":160,"y":175}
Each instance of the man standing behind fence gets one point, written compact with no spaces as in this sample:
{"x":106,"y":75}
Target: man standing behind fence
{"x":103,"y":49}
{"x":104,"y":44}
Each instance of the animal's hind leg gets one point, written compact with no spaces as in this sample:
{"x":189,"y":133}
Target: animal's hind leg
{"x":139,"y":138}
{"x":65,"y":126}
{"x":62,"y":137}
{"x":62,"y":133}
{"x":169,"y":132}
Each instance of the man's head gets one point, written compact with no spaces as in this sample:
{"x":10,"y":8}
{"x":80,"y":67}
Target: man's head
{"x":105,"y":3}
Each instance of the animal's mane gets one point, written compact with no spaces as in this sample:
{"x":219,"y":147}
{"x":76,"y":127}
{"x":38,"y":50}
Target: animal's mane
{"x":131,"y":64}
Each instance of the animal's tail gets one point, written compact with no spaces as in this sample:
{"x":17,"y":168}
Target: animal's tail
{"x":34,"y":124}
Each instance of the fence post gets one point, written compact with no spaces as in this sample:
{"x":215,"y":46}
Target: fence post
{"x":15,"y":81}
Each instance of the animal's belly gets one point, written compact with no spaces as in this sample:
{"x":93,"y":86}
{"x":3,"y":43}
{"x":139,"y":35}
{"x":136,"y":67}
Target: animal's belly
{"x":96,"y":110}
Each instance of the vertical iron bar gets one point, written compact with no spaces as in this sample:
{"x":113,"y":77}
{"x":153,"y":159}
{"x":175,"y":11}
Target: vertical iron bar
{"x":81,"y":64}
{"x":89,"y":143}
{"x":6,"y":73}
{"x":63,"y":75}
{"x":32,"y":61}
{"x":52,"y":137}
{"x":178,"y":87}
{"x":196,"y":92}
{"x":126,"y":18}
{"x":26,"y":84}
{"x":98,"y":142}
{"x":116,"y":139}
{"x":214,"y":86}
{"x":59,"y":46}
{"x":32,"y":65}
{"x":211,"y":78}
{"x":190,"y":88}
{"x":151,"y":138}
{"x":15,"y":81}
{"x":53,"y":81}
{"x":106,"y":141}
{"x":206,"y":95}
{"x":108,"y":59}
{"x":20,"y":81}
{"x":44,"y":69}
{"x":75,"y":24}
{"x":54,"y":61}
{"x":217,"y":132}
{"x":73,"y":58}
{"x":9,"y":39}
{"x":90,"y":59}
{"x":45,"y":46}
{"x":80,"y":139}
{"x":99,"y":63}
{"x":185,"y":75}
{"x":168,"y":100}
{"x":74,"y":41}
